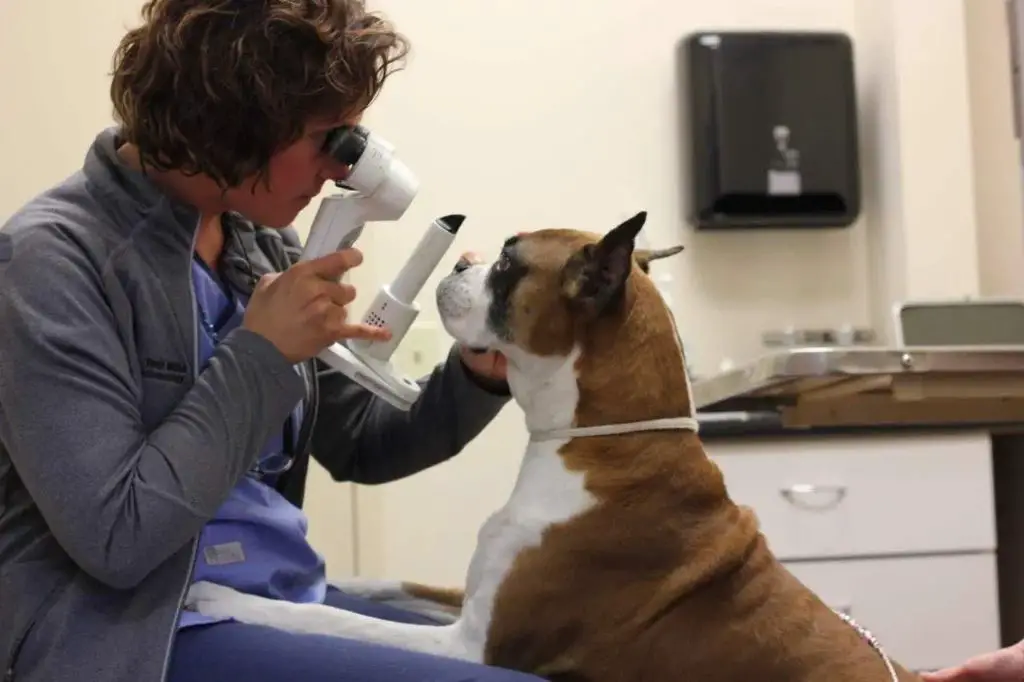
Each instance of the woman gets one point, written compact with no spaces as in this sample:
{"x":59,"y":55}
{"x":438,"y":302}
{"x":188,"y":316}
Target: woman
{"x":159,"y":393}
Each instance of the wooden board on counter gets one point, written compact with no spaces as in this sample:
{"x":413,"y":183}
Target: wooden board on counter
{"x":876,"y":386}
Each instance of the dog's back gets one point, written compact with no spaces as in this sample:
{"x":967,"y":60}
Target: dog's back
{"x":666,"y":578}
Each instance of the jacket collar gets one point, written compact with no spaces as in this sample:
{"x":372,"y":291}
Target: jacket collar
{"x":133,"y":195}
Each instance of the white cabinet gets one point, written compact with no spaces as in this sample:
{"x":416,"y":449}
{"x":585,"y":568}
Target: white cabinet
{"x":898,"y":530}
{"x":928,"y":612}
{"x":866,"y":496}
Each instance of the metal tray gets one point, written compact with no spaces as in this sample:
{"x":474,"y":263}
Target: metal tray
{"x":848,"y":386}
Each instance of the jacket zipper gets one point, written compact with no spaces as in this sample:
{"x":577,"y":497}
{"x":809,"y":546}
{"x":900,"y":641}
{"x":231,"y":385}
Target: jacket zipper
{"x":310,"y":409}
{"x":195,"y":541}
{"x":19,"y":643}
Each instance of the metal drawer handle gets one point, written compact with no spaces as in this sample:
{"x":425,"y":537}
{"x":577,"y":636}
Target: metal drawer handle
{"x":801,"y":493}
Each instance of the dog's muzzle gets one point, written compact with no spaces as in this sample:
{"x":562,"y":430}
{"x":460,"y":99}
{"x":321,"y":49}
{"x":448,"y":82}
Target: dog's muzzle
{"x":462,"y":302}
{"x":455,"y":294}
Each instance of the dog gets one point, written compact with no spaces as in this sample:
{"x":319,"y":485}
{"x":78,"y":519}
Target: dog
{"x":619,"y":556}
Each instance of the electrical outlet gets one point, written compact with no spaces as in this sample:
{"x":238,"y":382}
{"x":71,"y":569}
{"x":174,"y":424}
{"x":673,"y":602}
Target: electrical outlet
{"x":419,"y":352}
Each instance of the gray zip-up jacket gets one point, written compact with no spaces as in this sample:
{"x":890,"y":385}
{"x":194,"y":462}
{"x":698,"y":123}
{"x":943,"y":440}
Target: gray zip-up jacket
{"x":115,"y":450}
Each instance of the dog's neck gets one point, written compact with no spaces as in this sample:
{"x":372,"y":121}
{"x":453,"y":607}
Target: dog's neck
{"x":627,"y":367}
{"x":545,"y":388}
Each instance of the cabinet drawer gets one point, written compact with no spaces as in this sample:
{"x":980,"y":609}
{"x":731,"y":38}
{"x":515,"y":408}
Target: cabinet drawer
{"x":927,"y":612}
{"x":865,"y":496}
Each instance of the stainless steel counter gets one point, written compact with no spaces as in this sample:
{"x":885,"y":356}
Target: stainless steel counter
{"x":810,"y":387}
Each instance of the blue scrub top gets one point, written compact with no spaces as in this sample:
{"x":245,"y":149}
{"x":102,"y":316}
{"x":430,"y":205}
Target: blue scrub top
{"x":257,"y":543}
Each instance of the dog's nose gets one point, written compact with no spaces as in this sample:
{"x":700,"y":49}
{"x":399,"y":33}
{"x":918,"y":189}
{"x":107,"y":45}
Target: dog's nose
{"x":467,"y":259}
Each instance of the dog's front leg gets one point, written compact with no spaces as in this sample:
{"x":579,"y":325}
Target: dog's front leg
{"x":223,"y":602}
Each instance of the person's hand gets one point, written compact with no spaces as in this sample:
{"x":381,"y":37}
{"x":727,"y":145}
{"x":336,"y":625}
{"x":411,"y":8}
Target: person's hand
{"x":1004,"y":665}
{"x":491,"y":366}
{"x":303,"y":309}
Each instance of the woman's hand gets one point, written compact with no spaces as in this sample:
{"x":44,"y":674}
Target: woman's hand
{"x":488,"y":365}
{"x":1004,"y":665}
{"x":304,"y":309}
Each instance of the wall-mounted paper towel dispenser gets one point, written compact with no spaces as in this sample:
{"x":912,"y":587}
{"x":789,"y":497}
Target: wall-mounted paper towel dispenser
{"x":772,"y":129}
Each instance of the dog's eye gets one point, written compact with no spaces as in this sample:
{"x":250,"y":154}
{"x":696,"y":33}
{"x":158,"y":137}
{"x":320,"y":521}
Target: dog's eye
{"x":503,"y":263}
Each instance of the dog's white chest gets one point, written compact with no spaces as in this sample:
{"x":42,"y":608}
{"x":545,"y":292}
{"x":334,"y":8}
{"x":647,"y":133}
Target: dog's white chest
{"x":545,"y":493}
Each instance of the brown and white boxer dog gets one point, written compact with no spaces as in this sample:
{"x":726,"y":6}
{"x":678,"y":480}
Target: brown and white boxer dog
{"x":619,"y":556}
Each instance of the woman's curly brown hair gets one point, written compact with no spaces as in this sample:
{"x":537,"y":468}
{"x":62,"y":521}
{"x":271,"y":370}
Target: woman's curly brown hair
{"x":218,"y":86}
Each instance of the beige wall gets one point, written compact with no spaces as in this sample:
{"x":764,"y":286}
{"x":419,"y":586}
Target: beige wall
{"x":997,"y":169}
{"x":568,"y":116}
{"x":529,"y":113}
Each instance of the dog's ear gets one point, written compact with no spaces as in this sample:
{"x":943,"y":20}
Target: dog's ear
{"x":645,"y":256}
{"x":595,"y":276}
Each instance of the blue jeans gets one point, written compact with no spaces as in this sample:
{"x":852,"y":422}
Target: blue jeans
{"x":229,"y":652}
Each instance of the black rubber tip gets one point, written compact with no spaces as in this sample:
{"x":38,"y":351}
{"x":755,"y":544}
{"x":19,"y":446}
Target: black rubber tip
{"x":453,"y":222}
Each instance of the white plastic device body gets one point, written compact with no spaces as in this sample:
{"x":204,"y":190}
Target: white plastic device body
{"x":379,"y":187}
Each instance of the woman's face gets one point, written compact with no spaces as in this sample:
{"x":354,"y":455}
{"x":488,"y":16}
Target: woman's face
{"x":295,"y":175}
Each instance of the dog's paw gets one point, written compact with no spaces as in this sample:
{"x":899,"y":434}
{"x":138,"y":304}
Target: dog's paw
{"x":207,"y":598}
{"x":217,"y":601}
